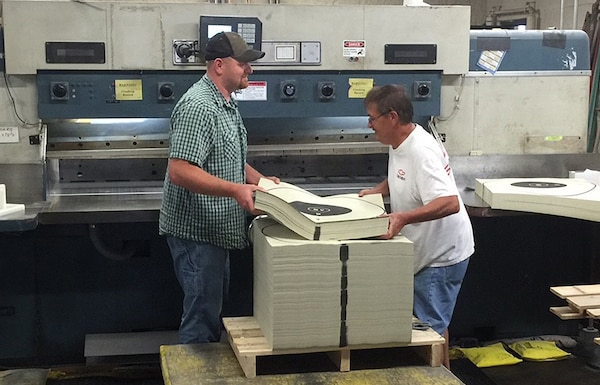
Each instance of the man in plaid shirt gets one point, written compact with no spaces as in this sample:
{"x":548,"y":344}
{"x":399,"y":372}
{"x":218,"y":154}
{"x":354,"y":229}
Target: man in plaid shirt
{"x":208,"y":185}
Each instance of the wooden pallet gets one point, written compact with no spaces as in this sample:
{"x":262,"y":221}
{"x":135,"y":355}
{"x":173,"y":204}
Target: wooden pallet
{"x":248,"y":342}
{"x":583,"y":301}
{"x":575,"y":290}
{"x":566,"y":313}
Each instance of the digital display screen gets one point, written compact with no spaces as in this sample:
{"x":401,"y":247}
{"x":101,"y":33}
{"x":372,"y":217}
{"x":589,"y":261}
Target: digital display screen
{"x":75,"y":52}
{"x":415,"y":54}
{"x":212,"y":30}
{"x":410,"y":54}
{"x":249,"y":28}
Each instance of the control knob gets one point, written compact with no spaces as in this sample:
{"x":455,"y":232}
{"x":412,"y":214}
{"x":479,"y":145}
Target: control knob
{"x":166,"y":91}
{"x":59,"y":90}
{"x":326,"y":90}
{"x":422,"y":90}
{"x":184,"y":51}
{"x":288,"y":89}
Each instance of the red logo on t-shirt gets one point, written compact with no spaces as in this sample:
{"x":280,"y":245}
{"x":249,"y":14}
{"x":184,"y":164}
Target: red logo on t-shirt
{"x":400,"y":174}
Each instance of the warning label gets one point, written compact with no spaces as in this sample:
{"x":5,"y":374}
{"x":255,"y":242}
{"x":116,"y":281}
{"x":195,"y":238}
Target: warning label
{"x":354,"y":48}
{"x":256,"y":90}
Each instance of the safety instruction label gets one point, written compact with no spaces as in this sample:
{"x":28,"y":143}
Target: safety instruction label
{"x":359,"y":87}
{"x":9,"y":135}
{"x":256,"y":90}
{"x":128,"y":89}
{"x":354,"y":48}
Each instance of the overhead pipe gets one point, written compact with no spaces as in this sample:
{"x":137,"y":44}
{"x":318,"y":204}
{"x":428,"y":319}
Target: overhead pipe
{"x":562,"y":14}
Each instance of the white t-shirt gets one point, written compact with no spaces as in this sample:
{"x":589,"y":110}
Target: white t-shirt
{"x":419,"y":172}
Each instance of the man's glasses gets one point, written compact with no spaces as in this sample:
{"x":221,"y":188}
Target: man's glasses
{"x":371,"y":120}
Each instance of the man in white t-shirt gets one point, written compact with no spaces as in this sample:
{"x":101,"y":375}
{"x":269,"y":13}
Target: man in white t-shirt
{"x":425,"y":205}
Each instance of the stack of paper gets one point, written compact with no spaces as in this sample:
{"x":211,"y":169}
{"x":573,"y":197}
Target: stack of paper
{"x":574,"y":198}
{"x":345,"y":216}
{"x":330,"y":293}
{"x":380,"y":291}
{"x":9,"y":208}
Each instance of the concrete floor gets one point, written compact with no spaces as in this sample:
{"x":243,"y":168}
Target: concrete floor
{"x":569,"y":371}
{"x":572,"y":370}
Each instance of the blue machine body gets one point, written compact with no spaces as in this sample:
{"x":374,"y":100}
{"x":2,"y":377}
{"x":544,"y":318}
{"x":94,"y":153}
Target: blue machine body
{"x":532,"y":50}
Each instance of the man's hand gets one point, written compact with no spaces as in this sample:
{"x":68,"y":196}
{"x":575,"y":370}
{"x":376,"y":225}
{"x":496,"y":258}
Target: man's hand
{"x":244,"y":196}
{"x":273,"y":179}
{"x":397,"y":222}
{"x":366,"y":192}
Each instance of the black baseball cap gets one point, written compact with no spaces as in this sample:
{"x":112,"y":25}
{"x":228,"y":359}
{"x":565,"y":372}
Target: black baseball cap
{"x":230,"y":44}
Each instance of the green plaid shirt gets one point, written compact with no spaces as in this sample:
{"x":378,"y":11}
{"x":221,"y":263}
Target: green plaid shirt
{"x":206,"y":130}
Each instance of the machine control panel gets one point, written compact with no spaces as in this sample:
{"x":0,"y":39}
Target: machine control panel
{"x":274,"y":94}
{"x":289,"y":90}
{"x":187,"y":52}
{"x":115,"y":94}
{"x":277,"y":53}
{"x":249,"y":28}
{"x":290,"y":53}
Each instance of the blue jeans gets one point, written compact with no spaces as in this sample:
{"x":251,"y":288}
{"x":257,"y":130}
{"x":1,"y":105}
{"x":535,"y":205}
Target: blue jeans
{"x":202,"y":270}
{"x":436,"y":291}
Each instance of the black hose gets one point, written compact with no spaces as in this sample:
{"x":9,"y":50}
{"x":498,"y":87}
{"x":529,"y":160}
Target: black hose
{"x":127,"y":250}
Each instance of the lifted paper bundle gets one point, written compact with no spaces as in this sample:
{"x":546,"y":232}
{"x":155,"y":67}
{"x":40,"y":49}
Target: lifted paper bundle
{"x":335,"y":217}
